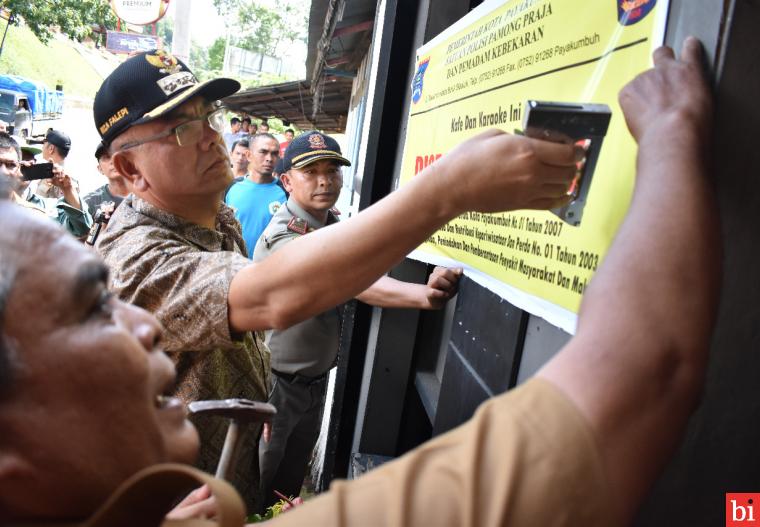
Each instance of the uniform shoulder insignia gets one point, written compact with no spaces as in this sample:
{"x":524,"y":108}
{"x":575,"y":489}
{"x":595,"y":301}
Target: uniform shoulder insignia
{"x":335,"y":211}
{"x":298,"y":225}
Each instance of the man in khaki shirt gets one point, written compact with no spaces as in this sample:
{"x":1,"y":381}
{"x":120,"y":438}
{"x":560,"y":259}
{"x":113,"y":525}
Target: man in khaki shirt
{"x":176,"y":250}
{"x":302,"y":355}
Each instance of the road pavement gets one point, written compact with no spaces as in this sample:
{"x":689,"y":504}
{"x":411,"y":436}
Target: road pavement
{"x":78,"y":123}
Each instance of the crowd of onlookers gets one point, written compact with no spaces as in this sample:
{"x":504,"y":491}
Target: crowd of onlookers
{"x":245,"y":129}
{"x":56,"y":192}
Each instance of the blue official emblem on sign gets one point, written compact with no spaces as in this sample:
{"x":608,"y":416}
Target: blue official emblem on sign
{"x":631,"y":11}
{"x":417,"y":82}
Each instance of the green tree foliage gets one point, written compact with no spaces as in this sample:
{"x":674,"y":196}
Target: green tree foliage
{"x":216,"y":54}
{"x":74,"y":17}
{"x":165,"y":30}
{"x":263,"y":29}
{"x":198,"y":57}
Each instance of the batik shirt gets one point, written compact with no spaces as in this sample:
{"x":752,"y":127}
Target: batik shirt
{"x":181,"y":272}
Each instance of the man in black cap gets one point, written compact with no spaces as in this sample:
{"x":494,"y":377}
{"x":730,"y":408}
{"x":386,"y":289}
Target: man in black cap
{"x":113,"y":192}
{"x":55,"y":149}
{"x":302,"y":355}
{"x":176,"y":250}
{"x":56,"y":146}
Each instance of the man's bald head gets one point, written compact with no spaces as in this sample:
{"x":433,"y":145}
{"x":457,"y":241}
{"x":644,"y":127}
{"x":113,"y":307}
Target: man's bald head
{"x":22,"y":231}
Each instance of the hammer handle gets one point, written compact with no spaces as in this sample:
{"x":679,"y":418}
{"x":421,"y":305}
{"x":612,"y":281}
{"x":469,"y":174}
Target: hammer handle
{"x":229,"y":450}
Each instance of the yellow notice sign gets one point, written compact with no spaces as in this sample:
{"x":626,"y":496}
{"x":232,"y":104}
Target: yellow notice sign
{"x":479,"y":74}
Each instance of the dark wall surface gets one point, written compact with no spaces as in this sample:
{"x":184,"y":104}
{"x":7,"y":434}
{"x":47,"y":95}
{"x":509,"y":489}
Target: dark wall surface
{"x":720,"y":452}
{"x":483,"y":354}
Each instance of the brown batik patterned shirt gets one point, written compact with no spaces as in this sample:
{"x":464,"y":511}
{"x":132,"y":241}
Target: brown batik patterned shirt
{"x":181,"y":272}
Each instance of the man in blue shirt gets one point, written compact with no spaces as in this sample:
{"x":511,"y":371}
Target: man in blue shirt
{"x":256,"y":198}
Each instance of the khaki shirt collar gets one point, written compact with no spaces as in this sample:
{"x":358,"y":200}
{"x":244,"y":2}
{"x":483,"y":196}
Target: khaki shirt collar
{"x":298,"y":211}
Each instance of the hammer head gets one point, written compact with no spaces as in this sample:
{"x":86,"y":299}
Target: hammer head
{"x":240,"y":410}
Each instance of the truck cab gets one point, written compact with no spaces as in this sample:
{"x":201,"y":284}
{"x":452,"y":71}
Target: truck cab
{"x":14,"y":110}
{"x":29,"y":107}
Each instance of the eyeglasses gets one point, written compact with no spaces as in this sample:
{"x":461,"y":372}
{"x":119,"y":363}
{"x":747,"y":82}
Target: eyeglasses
{"x":187,"y":133}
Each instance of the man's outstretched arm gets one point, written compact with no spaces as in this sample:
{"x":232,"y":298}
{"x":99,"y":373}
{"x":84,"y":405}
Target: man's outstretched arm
{"x":636,"y":365}
{"x":335,"y":263}
{"x":388,"y":292}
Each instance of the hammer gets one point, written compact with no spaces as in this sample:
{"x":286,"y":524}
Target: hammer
{"x":239,"y":412}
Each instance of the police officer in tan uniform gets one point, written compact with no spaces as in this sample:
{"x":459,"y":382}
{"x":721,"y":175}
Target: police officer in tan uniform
{"x":303,"y":354}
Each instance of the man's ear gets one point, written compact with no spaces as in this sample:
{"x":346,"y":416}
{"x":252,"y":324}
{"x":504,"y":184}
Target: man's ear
{"x":123,"y":164}
{"x":286,"y":182}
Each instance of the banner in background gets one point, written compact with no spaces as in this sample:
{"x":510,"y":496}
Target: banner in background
{"x":121,"y":42}
{"x":478,"y":74}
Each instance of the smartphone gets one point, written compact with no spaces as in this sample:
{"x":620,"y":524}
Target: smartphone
{"x":582,"y":124}
{"x":37,"y":171}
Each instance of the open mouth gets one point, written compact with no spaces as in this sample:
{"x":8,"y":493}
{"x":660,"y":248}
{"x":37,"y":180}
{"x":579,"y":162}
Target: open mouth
{"x":166,"y":400}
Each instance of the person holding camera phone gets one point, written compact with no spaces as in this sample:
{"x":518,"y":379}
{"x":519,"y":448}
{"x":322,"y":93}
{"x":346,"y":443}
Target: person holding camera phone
{"x":55,"y":149}
{"x":67,"y":211}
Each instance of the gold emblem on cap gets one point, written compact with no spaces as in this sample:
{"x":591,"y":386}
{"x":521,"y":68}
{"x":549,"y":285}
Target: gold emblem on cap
{"x":166,"y":62}
{"x":316,"y":141}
